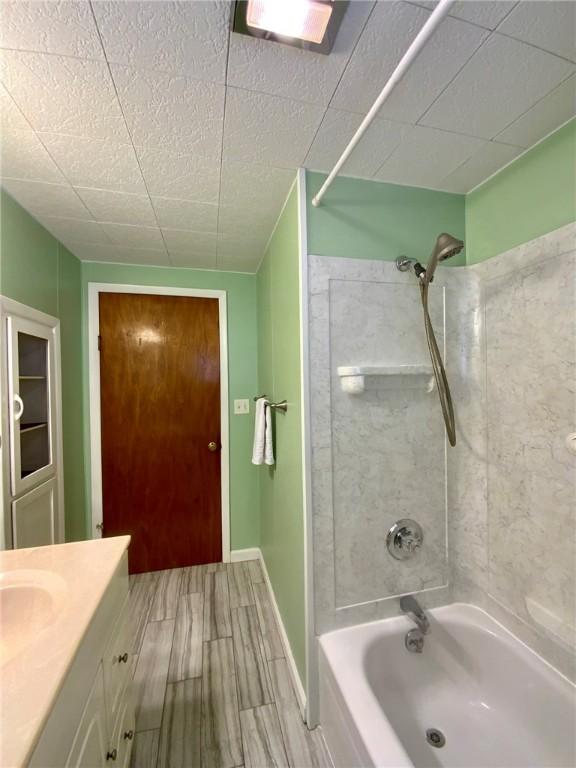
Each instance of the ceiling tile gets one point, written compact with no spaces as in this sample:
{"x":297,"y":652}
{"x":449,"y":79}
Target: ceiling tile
{"x":171,"y":111}
{"x":75,"y":230}
{"x":389,"y":32}
{"x":185,"y":241}
{"x":43,"y":199}
{"x":183,"y":214}
{"x":501,"y":81}
{"x":240,"y":255}
{"x":186,"y":37}
{"x":95,"y":163}
{"x":10,"y":114}
{"x":426,"y":156}
{"x":22,"y":156}
{"x":267,"y":129}
{"x":193,"y":260}
{"x":485,"y":13}
{"x":186,"y":177}
{"x":118,"y":207}
{"x":134,"y":236}
{"x":549,"y":25}
{"x":247,"y":185}
{"x":243,"y":222}
{"x":120,"y":255}
{"x":338,"y":127}
{"x":283,"y":70}
{"x":483,"y":163}
{"x":64,"y":95}
{"x":65,"y":27}
{"x":549,"y":113}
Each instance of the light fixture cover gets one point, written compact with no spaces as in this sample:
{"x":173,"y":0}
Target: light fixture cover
{"x":311,"y":25}
{"x":304,"y":19}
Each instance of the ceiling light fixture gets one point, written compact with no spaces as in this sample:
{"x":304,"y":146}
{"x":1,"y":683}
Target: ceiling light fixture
{"x":308,"y":24}
{"x":304,"y":19}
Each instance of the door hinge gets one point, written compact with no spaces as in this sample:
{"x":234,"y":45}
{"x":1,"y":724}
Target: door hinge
{"x":99,"y":342}
{"x":100,"y":527}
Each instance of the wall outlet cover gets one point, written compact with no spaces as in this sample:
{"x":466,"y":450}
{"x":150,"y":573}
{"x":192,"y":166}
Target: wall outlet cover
{"x":241,"y":407}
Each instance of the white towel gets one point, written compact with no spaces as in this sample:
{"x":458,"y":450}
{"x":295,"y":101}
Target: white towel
{"x":263,"y":450}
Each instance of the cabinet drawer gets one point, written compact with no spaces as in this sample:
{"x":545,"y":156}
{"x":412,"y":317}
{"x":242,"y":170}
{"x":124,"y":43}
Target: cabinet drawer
{"x":117,"y":667}
{"x":124,"y":733}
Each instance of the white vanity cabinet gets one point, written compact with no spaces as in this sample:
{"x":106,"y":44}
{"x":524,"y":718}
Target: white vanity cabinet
{"x":91,"y":724}
{"x":90,"y":746}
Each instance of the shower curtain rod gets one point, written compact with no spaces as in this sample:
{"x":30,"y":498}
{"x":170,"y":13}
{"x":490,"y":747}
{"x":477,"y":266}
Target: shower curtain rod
{"x":404,"y":64}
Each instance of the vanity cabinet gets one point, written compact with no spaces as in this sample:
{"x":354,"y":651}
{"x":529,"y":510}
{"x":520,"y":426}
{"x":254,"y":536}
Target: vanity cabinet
{"x":92,"y":723}
{"x":90,"y":742}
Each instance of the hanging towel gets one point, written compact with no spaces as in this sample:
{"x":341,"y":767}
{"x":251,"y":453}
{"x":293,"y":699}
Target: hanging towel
{"x":263,"y":450}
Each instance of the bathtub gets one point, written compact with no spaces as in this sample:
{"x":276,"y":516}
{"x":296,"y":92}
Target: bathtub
{"x":496,"y":703}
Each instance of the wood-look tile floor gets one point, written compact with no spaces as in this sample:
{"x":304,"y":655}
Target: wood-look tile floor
{"x":211,"y":685}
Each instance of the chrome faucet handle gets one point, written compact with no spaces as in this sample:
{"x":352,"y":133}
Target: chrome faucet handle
{"x":405,"y":539}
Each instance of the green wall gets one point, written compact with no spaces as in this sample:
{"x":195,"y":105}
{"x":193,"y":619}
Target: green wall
{"x":242,"y":370}
{"x":374,"y":220}
{"x":534,"y":195}
{"x":37,"y":270}
{"x":281,"y":486}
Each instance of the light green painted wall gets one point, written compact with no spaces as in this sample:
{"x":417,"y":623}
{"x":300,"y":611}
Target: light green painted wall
{"x":534,"y":195}
{"x":372,"y":220}
{"x":37,"y":270}
{"x":281,"y":486}
{"x":242,"y":368}
{"x":29,"y":259}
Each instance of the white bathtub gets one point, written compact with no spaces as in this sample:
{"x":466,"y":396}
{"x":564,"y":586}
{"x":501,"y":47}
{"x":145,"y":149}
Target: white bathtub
{"x":497,"y":703}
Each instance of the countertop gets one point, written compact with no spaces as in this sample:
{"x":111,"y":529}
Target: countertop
{"x":34,"y":660}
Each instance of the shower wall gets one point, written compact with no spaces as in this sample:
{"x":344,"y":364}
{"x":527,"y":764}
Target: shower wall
{"x":513,"y":491}
{"x":377,"y":456}
{"x":499,"y":510}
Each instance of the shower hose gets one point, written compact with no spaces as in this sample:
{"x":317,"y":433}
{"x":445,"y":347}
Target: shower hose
{"x":438,"y":367}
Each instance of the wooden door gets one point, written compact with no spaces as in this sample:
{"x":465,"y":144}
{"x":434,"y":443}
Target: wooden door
{"x":160,"y":406}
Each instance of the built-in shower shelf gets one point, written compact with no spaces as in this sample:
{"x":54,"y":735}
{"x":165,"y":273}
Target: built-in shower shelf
{"x":353,"y":377}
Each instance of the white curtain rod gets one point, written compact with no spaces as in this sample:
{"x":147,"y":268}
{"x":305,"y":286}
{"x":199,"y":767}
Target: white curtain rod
{"x":404,"y":64}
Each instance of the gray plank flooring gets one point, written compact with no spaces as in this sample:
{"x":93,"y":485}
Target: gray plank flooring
{"x":211,"y":685}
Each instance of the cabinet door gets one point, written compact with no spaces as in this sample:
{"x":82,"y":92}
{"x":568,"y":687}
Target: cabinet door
{"x":89,"y":748}
{"x":34,"y":517}
{"x":31,"y":369}
{"x":117,"y":666}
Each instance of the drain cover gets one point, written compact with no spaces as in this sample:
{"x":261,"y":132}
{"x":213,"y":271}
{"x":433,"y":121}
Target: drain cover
{"x":435,"y":737}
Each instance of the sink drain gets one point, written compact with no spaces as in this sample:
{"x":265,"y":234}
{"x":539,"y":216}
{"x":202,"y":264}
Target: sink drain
{"x":435,"y":737}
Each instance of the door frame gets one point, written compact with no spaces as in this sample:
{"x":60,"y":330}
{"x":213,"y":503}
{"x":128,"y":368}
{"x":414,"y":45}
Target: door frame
{"x":94,"y":290}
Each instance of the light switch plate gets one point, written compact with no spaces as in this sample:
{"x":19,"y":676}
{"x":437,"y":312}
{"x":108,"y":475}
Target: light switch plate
{"x":241,"y":407}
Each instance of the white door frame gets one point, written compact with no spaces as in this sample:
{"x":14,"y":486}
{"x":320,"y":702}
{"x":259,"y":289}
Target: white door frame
{"x":94,"y":289}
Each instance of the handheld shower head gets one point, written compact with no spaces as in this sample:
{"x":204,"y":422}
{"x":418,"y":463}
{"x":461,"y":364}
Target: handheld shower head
{"x":446,"y":247}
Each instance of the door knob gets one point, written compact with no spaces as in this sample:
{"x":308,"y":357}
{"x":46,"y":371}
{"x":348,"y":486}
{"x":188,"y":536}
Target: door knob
{"x":212,"y":446}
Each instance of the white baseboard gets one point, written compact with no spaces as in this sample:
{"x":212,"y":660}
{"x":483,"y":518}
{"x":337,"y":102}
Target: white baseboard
{"x":238,"y":555}
{"x":296,"y":682}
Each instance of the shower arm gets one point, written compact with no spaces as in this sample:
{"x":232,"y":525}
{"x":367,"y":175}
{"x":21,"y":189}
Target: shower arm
{"x":402,"y":67}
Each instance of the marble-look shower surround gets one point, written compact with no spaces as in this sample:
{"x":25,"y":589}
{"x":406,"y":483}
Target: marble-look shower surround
{"x":499,"y":510}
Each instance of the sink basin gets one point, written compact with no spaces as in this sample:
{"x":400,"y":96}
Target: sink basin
{"x":29,"y":601}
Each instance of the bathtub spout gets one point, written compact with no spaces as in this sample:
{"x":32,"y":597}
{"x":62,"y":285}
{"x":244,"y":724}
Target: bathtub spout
{"x":412,"y":607}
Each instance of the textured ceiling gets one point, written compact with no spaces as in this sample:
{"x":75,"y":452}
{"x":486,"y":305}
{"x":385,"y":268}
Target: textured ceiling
{"x":145,"y":132}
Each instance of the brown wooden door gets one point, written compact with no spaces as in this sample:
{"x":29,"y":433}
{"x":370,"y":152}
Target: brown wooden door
{"x":160,"y":405}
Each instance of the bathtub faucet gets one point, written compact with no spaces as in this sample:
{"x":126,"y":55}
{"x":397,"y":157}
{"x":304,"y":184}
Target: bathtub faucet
{"x":412,"y":607}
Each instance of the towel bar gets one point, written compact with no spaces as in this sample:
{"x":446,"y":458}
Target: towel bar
{"x":281,"y":406}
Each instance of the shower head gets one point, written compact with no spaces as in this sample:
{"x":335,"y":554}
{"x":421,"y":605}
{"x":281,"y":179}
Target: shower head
{"x":446,"y":247}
